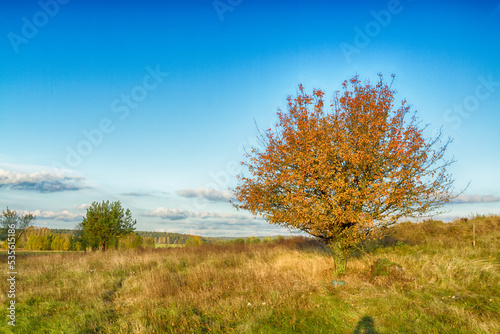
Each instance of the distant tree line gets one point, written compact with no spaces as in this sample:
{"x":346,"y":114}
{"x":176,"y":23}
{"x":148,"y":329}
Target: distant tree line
{"x":197,"y":240}
{"x":43,"y":238}
{"x":106,"y":226}
{"x":169,"y":238}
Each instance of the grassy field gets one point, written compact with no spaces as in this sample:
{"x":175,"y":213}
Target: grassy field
{"x":168,"y":246}
{"x":442,"y":284}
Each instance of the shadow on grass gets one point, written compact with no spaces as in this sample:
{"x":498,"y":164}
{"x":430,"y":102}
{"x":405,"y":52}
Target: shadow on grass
{"x":365,"y":326}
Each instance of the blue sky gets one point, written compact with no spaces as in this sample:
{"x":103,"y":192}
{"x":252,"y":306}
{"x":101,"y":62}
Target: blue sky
{"x":151,"y":102}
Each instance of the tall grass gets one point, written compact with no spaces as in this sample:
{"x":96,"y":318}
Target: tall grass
{"x":445,"y":285}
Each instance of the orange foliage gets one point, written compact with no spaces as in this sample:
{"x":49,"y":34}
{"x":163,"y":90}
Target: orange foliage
{"x":344,"y":174}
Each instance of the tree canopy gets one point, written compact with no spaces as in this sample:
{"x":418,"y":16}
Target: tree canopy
{"x":106,"y":220}
{"x":342,"y":174}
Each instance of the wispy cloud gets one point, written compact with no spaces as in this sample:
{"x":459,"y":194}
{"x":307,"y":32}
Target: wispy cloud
{"x":177,"y":214}
{"x":476,"y":199}
{"x":64,"y":215}
{"x":146,"y":194}
{"x":217,"y":228}
{"x":209,"y":194}
{"x":82,"y":206}
{"x":42,"y":182}
{"x":169,"y":214}
{"x":136,"y":194}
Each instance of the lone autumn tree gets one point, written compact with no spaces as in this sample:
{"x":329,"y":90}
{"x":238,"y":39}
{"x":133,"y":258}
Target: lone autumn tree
{"x":105,"y":221}
{"x":342,"y":175}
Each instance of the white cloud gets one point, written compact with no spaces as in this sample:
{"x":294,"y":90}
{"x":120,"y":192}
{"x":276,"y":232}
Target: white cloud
{"x":176,"y":214}
{"x":64,"y":215}
{"x":476,"y":199}
{"x":209,"y":194}
{"x":82,"y":206}
{"x":42,"y":182}
{"x":170,"y":214}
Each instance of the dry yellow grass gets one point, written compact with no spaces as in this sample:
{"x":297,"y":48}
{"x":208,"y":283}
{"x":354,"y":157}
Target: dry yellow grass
{"x":446,"y":286}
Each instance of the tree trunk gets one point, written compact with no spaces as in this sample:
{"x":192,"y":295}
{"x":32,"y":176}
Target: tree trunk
{"x":340,"y":257}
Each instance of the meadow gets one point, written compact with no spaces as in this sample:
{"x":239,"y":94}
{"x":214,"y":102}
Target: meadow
{"x":436,"y":281}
